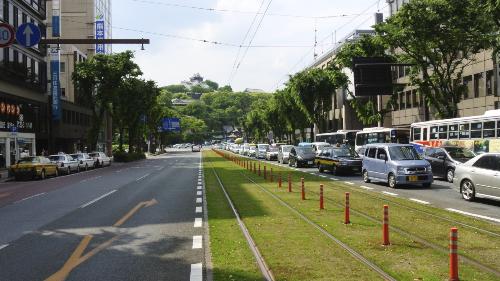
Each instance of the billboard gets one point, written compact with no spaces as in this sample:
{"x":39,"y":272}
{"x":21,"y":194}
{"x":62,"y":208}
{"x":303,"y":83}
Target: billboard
{"x":372,"y":76}
{"x":55,"y":87}
{"x":170,"y":125}
{"x":99,"y":34}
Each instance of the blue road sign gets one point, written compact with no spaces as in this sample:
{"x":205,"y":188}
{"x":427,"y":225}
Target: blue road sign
{"x":28,"y":35}
{"x":170,"y":125}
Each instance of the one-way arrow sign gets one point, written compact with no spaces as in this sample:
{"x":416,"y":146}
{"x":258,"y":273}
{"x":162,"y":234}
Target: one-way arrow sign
{"x":28,"y":35}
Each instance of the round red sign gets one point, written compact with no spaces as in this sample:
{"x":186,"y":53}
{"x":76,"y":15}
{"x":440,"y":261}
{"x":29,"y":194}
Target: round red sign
{"x":7,"y":35}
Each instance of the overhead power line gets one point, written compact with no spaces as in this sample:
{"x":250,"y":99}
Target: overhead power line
{"x":239,"y":11}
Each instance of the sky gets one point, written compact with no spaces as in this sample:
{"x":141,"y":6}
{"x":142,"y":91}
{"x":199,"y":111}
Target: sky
{"x":283,"y":43}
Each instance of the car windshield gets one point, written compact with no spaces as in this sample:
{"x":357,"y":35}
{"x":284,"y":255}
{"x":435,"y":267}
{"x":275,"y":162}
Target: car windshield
{"x":343,"y":152}
{"x":403,"y":153}
{"x":28,"y":160}
{"x":94,"y":154}
{"x":273,"y":149}
{"x":77,"y":156}
{"x":304,"y":149}
{"x":263,"y":146}
{"x":286,"y":148}
{"x":322,"y":146}
{"x":56,"y":158}
{"x":460,"y":152}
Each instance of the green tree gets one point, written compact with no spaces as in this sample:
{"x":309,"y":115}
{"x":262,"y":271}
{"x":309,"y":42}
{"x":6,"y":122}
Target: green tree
{"x":97,"y":81}
{"x":440,"y":38}
{"x":176,"y":89}
{"x":213,"y":85}
{"x":226,"y":88}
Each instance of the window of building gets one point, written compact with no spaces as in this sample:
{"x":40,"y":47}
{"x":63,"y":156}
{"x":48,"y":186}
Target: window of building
{"x":489,"y":82}
{"x":479,"y":90}
{"x":476,"y":130}
{"x":63,"y":92}
{"x":468,"y":84}
{"x":415,"y":98}
{"x":408,"y":99}
{"x":62,"y":67}
{"x":402,"y":101}
{"x":401,"y":71}
{"x":24,"y":18}
{"x":464,"y":131}
{"x":15,"y":17}
{"x":489,"y":129}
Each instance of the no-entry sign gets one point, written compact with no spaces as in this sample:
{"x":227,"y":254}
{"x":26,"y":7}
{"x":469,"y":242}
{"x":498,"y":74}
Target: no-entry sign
{"x":6,"y":35}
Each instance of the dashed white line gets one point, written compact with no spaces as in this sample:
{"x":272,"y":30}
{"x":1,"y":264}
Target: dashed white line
{"x":199,"y":187}
{"x":312,"y":174}
{"x":199,"y":200}
{"x":348,"y":182}
{"x":138,"y":179}
{"x":419,"y":201}
{"x":3,"y":246}
{"x":33,"y":196}
{"x":334,"y":179}
{"x":473,"y":215}
{"x":198,"y":222}
{"x":198,"y":193}
{"x":199,"y":210}
{"x":98,"y":198}
{"x":366,"y":187}
{"x":389,"y":193}
{"x":323,"y":176}
{"x":197,"y":242}
{"x":196,"y":272}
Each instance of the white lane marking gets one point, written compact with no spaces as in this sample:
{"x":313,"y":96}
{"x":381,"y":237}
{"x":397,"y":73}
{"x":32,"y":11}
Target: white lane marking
{"x":118,"y":171}
{"x":199,"y":210}
{"x":198,"y":193}
{"x":348,"y":182}
{"x":488,"y":196}
{"x":199,"y":200}
{"x":98,"y":198}
{"x":323,"y":176}
{"x":33,"y":196}
{"x":200,"y":187}
{"x":334,"y":179}
{"x":389,"y":193}
{"x":196,"y":272}
{"x":312,"y":174}
{"x":366,"y":187}
{"x":138,"y":179}
{"x":197,"y":242}
{"x":420,"y":201}
{"x":3,"y":246}
{"x":198,"y":222}
{"x":473,"y":215}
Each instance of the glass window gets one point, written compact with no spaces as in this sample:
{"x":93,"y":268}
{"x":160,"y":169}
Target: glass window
{"x":402,"y":104}
{"x":361,"y":139}
{"x":460,"y":153}
{"x":403,"y":153}
{"x":453,"y":131}
{"x":488,"y":162}
{"x":417,"y":133}
{"x":476,"y":130}
{"x":489,"y":129}
{"x":468,"y":84}
{"x":381,"y":152}
{"x":479,"y":90}
{"x":62,"y":67}
{"x":443,"y":132}
{"x":464,"y":131}
{"x":408,"y":99}
{"x":434,"y":133}
{"x":489,"y":82}
{"x":371,"y":152}
{"x":1,"y":9}
{"x":415,"y":98}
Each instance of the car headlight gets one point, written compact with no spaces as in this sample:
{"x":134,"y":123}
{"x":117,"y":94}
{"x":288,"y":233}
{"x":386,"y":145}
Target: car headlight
{"x":401,"y":170}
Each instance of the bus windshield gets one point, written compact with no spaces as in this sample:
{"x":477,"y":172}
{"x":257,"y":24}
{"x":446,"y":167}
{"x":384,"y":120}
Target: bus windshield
{"x":403,"y":153}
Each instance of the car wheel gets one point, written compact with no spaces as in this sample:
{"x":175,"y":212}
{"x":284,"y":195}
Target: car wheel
{"x":468,"y":190}
{"x":42,"y":175}
{"x":320,"y":168}
{"x":365,"y":176}
{"x":449,"y":175}
{"x":57,"y":172}
{"x":392,"y":181}
{"x":334,"y":170}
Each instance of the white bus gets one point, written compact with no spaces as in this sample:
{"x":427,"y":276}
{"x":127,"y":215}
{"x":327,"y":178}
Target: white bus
{"x":380,"y":135}
{"x":478,"y":133}
{"x":349,"y":136}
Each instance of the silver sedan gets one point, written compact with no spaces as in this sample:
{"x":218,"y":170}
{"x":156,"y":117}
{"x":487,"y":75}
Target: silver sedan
{"x":479,"y":177}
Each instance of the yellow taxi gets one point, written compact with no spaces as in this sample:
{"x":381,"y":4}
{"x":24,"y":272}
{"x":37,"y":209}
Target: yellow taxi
{"x":34,"y":167}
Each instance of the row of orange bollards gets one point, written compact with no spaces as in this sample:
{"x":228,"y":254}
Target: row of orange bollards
{"x":453,"y":255}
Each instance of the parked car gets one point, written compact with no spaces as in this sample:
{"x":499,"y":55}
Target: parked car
{"x":283,"y":153}
{"x":395,"y":164}
{"x":100,"y":159}
{"x":33,"y":167}
{"x":252,"y":151}
{"x":245,"y":148}
{"x":196,"y":148}
{"x":445,"y":159}
{"x":479,"y":177}
{"x":261,"y":151}
{"x":338,"y":159}
{"x":65,"y":163}
{"x":319,"y":146}
{"x":300,"y":156}
{"x":272,"y":153}
{"x":84,"y":160}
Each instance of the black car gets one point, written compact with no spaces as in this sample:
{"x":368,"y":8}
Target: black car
{"x":301,"y":156}
{"x":339,"y":159}
{"x":444,"y":159}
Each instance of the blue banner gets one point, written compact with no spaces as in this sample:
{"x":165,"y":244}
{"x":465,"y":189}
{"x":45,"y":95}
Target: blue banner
{"x":55,"y":87}
{"x":170,"y":125}
{"x":99,"y":34}
{"x":56,"y":19}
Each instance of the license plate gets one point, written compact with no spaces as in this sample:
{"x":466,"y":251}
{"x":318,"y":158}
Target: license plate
{"x":413,"y":178}
{"x":310,"y":162}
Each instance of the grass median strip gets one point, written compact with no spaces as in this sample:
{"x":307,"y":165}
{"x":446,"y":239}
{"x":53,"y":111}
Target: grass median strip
{"x":407,"y":258}
{"x":293,"y":249}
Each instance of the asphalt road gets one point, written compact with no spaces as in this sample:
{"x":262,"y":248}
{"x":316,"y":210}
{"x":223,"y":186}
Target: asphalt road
{"x":441,"y":194}
{"x":135,"y":221}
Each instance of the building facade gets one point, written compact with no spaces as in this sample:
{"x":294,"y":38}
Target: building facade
{"x":24,"y":128}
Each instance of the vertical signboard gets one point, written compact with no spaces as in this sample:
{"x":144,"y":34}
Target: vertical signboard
{"x":55,"y":88}
{"x":99,"y":34}
{"x":56,"y":19}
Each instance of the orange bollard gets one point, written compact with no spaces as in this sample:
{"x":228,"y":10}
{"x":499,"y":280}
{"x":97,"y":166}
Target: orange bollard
{"x":321,"y":203}
{"x":289,"y":182}
{"x":279,"y":181}
{"x":271,"y":176}
{"x":259,"y":169}
{"x":346,"y":212}
{"x":303,"y":189}
{"x":265,"y":172}
{"x":386,"y":226}
{"x":454,"y":254}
